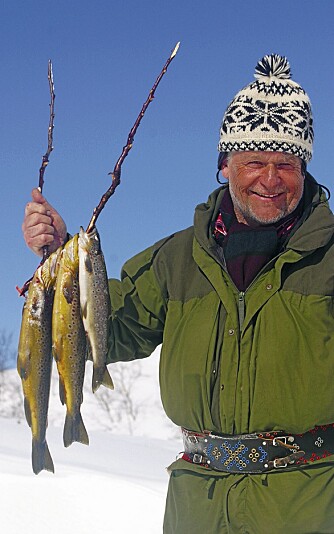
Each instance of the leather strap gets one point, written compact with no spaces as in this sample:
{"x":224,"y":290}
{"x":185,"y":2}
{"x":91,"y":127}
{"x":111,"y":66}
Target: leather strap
{"x":258,"y":452}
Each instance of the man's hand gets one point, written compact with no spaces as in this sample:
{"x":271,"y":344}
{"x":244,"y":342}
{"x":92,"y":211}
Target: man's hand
{"x":42,"y":225}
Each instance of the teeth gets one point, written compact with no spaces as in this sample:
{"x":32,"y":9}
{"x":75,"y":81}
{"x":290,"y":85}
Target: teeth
{"x":267,"y":196}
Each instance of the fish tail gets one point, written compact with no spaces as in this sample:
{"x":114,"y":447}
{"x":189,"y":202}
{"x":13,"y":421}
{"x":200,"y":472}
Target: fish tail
{"x":74,"y":430}
{"x":101,"y":376}
{"x":107,"y":380}
{"x":41,"y":457}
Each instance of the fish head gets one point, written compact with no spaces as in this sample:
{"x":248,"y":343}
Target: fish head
{"x":90,"y":243}
{"x":38,"y":301}
{"x":49,"y":269}
{"x":70,"y":257}
{"x":36,"y":298}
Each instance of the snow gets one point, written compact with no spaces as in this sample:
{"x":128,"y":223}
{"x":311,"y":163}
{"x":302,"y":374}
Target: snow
{"x":117,"y":484}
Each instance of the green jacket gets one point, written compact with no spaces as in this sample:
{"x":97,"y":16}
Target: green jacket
{"x":234,"y":362}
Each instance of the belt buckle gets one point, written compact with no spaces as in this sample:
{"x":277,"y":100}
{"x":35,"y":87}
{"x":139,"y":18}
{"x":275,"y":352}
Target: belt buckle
{"x":192,"y":439}
{"x":278,"y":463}
{"x":284,"y":439}
{"x":286,"y":442}
{"x":198,"y":458}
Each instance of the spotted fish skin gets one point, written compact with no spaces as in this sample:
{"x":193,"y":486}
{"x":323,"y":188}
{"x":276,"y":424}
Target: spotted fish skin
{"x":34,"y":361}
{"x":69,"y":343}
{"x":95,"y":304}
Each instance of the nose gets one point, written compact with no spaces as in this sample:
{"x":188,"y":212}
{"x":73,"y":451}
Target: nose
{"x":270,"y":175}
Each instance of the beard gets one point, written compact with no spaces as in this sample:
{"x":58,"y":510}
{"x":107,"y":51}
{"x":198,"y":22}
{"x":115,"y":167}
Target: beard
{"x":254,"y":219}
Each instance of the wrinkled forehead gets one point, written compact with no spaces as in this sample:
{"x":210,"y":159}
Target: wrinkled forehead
{"x":264,"y":156}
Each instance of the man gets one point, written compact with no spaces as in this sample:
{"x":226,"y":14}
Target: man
{"x":242,"y":303}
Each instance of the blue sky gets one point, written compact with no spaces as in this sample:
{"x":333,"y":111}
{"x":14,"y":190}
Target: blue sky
{"x":106,"y":56}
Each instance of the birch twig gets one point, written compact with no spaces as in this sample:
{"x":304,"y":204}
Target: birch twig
{"x":45,"y":160}
{"x":116,"y":173}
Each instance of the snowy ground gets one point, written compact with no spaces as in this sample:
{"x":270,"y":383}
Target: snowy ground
{"x":115,"y":485}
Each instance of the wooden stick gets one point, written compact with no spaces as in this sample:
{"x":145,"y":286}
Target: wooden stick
{"x":45,"y":160}
{"x":116,"y":173}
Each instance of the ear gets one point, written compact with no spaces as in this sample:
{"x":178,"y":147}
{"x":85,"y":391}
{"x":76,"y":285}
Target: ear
{"x":225,"y":170}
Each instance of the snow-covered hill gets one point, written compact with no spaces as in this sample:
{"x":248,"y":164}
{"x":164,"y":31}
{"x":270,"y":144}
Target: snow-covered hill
{"x":115,"y":485}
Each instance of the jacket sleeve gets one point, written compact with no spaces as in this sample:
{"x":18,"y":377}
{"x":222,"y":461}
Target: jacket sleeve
{"x":138,"y":309}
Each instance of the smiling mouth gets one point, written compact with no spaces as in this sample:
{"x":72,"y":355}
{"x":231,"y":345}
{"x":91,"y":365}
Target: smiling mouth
{"x":262,"y":195}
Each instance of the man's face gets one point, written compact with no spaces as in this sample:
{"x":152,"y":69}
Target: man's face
{"x":264,"y":186}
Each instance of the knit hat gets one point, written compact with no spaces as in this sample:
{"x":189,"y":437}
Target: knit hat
{"x":273,"y":113}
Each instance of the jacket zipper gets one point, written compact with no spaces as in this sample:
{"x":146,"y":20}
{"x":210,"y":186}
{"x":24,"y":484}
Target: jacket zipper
{"x":241,"y":297}
{"x":241,"y":309}
{"x":241,"y":294}
{"x":241,"y":312}
{"x":217,"y":254}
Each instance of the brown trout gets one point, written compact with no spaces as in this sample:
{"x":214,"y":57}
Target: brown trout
{"x":34,"y":362}
{"x":95,"y":304}
{"x":69,"y":342}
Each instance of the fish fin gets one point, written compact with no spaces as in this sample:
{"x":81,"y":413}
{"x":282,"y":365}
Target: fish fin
{"x":68,"y":290}
{"x":89,"y":352}
{"x":27,"y":411}
{"x":88,"y":264}
{"x":107,"y":380}
{"x":84,"y":310}
{"x":22,"y":370}
{"x":101,"y":376}
{"x":41,"y":457}
{"x":74,"y":430}
{"x":47,"y":280}
{"x":57,"y":342}
{"x":24,"y":363}
{"x":62,"y":391}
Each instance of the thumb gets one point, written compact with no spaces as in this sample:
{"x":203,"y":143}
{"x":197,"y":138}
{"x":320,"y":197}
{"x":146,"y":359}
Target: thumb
{"x":37,"y":196}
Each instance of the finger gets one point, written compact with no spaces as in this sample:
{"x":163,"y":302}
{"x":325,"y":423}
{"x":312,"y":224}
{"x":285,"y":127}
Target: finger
{"x":32,"y":228}
{"x":34,"y":219}
{"x":41,"y":200}
{"x":37,"y":235}
{"x":35,"y":207}
{"x":37,"y":196}
{"x":38,"y":229}
{"x":39,"y":241}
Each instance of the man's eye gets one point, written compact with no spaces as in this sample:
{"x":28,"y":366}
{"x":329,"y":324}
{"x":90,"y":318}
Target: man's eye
{"x":285,"y":166}
{"x":254,"y":164}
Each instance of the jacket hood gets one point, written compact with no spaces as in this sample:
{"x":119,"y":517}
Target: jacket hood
{"x":314,"y":230}
{"x":316,"y":226}
{"x":205,"y":216}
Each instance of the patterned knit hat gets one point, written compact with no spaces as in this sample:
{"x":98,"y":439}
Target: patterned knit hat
{"x":273,"y":113}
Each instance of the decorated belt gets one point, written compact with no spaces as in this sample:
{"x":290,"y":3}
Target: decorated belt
{"x":258,"y":452}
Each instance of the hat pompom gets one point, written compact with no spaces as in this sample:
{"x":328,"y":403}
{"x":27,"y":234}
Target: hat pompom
{"x":273,"y":65}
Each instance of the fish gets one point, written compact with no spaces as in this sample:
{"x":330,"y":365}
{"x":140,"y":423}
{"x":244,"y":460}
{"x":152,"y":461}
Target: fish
{"x":34,"y":361}
{"x":95,"y":304}
{"x":69,"y":345}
